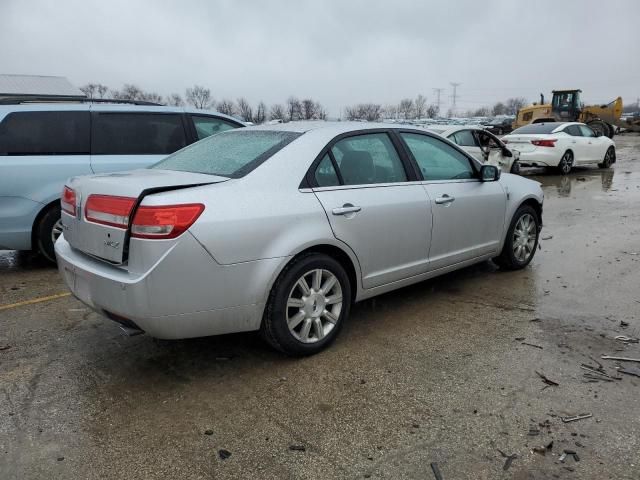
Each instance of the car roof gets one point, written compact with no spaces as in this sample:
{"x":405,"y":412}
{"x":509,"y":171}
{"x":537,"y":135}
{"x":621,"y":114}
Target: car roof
{"x":336,"y":127}
{"x":107,"y":107}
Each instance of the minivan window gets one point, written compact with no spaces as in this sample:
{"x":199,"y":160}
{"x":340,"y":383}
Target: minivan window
{"x":45,"y":133}
{"x":207,"y":126}
{"x":136,"y":133}
{"x":233,"y":153}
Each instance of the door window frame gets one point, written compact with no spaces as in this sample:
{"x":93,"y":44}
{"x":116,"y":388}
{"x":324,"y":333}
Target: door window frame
{"x":309,"y":180}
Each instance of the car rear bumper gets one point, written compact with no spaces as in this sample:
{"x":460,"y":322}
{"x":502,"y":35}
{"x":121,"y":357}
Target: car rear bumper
{"x":540,"y":158}
{"x":185,"y":294}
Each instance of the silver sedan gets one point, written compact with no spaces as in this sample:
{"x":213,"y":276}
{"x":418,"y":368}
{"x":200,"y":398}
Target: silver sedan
{"x":281,"y":228}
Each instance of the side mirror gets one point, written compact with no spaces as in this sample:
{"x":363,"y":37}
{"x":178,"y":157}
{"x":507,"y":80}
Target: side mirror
{"x":489,"y":173}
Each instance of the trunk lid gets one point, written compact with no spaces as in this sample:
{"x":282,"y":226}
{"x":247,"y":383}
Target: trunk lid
{"x":521,"y":143}
{"x":108,"y":242}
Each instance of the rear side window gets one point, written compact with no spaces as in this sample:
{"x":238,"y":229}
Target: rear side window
{"x":45,"y":133}
{"x":136,"y":134}
{"x":326,"y":175}
{"x":207,"y":126}
{"x":229,"y":154}
{"x":573,"y":130}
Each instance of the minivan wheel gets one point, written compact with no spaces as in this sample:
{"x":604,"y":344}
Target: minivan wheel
{"x":307,"y":306}
{"x":521,"y":241}
{"x":566,"y":163}
{"x":609,"y":158}
{"x":48,"y":230}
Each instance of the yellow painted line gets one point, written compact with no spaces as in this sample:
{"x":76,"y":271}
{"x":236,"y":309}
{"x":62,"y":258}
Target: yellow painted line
{"x":34,"y":300}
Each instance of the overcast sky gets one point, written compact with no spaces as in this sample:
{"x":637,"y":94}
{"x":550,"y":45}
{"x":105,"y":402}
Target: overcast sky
{"x":339,"y":52}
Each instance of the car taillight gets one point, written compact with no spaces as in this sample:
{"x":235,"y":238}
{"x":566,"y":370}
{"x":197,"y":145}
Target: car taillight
{"x":68,"y":201}
{"x":166,"y":221}
{"x":549,"y":142}
{"x":109,"y":210}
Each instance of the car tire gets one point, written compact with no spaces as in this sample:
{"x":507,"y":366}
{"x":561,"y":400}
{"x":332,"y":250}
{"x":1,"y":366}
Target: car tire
{"x":515,"y":168}
{"x":298,"y":318}
{"x":566,"y":163}
{"x":609,"y":158}
{"x":521,"y":241}
{"x":48,"y":230}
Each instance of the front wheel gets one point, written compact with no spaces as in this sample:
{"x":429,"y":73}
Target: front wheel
{"x":609,"y":158}
{"x":566,"y":163}
{"x":515,"y":168}
{"x":307,"y":306}
{"x":521,"y":241}
{"x":48,"y":230}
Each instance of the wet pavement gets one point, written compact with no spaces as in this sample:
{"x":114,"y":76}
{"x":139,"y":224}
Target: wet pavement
{"x":443,"y":371}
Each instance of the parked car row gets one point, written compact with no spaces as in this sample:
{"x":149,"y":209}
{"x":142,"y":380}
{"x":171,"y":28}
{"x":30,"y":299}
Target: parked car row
{"x":41,"y":145}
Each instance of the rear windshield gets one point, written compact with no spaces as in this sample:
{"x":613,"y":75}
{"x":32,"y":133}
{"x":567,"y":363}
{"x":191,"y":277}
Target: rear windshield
{"x":537,"y":128}
{"x":228,"y":154}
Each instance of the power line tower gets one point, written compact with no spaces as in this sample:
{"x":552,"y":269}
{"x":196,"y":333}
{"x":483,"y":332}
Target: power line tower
{"x":454,"y":96}
{"x":437,"y":91}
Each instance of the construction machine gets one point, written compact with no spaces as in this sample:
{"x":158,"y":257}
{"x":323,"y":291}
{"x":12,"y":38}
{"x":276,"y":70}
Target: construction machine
{"x":566,"y":106}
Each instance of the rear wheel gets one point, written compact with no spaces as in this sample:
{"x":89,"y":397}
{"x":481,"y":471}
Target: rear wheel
{"x":600,"y":126}
{"x":307,"y":306}
{"x":609,"y":158}
{"x":48,"y":230}
{"x":521,"y":241}
{"x":566,"y":163}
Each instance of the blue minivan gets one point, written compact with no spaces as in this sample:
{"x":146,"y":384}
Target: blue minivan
{"x":43,"y":144}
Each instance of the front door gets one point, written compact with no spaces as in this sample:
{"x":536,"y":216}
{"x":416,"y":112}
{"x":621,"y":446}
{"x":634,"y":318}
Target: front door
{"x":468,"y":215}
{"x":374,"y":208}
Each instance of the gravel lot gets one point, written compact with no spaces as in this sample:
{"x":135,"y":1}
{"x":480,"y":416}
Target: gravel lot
{"x":444,"y":371}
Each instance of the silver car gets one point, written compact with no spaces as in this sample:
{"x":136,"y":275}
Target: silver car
{"x":281,"y":228}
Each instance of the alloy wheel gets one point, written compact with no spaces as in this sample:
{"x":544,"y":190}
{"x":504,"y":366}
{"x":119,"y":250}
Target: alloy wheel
{"x":566,"y":163}
{"x":314,"y":305}
{"x":56,"y":231}
{"x":524,"y":237}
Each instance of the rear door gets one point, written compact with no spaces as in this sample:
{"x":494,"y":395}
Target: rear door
{"x":375,"y":205}
{"x":468,"y":215}
{"x":129,"y":140}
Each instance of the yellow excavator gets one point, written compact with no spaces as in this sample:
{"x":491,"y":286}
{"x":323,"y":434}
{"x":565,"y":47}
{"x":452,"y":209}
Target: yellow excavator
{"x":566,"y":106}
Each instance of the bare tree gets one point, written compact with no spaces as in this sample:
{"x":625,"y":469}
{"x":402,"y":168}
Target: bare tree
{"x":174,"y":100}
{"x":433,"y":111}
{"x":481,"y":112}
{"x":89,"y":90}
{"x":277,"y":112}
{"x":498,"y":109}
{"x":308,"y":109}
{"x":370,"y":112}
{"x":151,"y":97}
{"x":245,"y":110}
{"x":226,"y":107}
{"x":321,"y":113}
{"x":405,"y":108}
{"x":390,"y":111}
{"x":199,"y":97}
{"x":101,"y":90}
{"x":261,"y":113}
{"x":128,"y":92}
{"x":294,"y":109}
{"x":420,"y":106}
{"x":514,"y":104}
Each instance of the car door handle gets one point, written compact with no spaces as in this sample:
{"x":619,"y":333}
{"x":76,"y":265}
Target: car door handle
{"x":346,"y":209}
{"x":444,"y":200}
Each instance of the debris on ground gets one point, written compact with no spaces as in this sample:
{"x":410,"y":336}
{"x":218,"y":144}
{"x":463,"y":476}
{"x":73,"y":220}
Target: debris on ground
{"x":533,"y":431}
{"x":208,"y":432}
{"x":224,"y":454}
{"x":547,"y":237}
{"x":436,"y":471}
{"x":4,"y":347}
{"x":532,"y":345}
{"x":550,"y":383}
{"x":566,"y":453}
{"x":597,"y":373}
{"x":575,"y":418}
{"x":620,"y":359}
{"x":624,"y":324}
{"x":509,"y":459}
{"x":297,"y":448}
{"x":630,"y":371}
{"x":626,"y":339}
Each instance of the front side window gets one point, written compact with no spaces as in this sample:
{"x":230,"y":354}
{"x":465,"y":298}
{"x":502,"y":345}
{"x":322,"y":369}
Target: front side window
{"x":45,"y":133}
{"x":438,"y":160}
{"x":207,"y":126}
{"x":464,"y":138}
{"x":233,"y":153}
{"x":367,"y":159}
{"x":136,"y":133}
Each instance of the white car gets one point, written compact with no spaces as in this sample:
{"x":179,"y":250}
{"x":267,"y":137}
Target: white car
{"x":484,"y":146}
{"x":562,"y":145}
